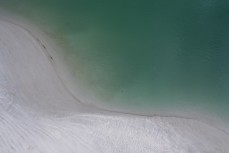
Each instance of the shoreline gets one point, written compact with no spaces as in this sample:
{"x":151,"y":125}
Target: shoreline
{"x":34,"y":100}
{"x":48,"y":47}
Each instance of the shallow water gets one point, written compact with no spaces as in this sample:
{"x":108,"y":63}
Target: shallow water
{"x":142,"y":54}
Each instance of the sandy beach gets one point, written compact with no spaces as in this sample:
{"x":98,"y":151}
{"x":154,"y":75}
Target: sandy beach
{"x":40,"y":114}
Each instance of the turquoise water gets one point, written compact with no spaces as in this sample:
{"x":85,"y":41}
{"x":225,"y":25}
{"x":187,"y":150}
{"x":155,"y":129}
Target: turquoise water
{"x":142,"y":54}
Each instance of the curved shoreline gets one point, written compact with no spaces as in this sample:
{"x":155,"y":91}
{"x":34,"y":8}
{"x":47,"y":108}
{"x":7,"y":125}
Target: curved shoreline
{"x":100,"y":108}
{"x":100,"y":127}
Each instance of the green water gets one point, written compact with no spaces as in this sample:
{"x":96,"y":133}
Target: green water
{"x":144,"y":53}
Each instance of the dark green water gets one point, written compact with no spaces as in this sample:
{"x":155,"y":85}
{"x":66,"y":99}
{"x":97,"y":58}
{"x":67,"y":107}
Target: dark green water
{"x":144,"y":53}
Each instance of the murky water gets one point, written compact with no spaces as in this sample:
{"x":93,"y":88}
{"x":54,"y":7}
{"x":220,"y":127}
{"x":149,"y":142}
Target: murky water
{"x":142,"y":54}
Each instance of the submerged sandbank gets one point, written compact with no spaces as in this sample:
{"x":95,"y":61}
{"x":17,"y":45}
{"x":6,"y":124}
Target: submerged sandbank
{"x":39,"y":114}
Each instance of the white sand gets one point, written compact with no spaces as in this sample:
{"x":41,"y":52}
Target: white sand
{"x":39,"y":115}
